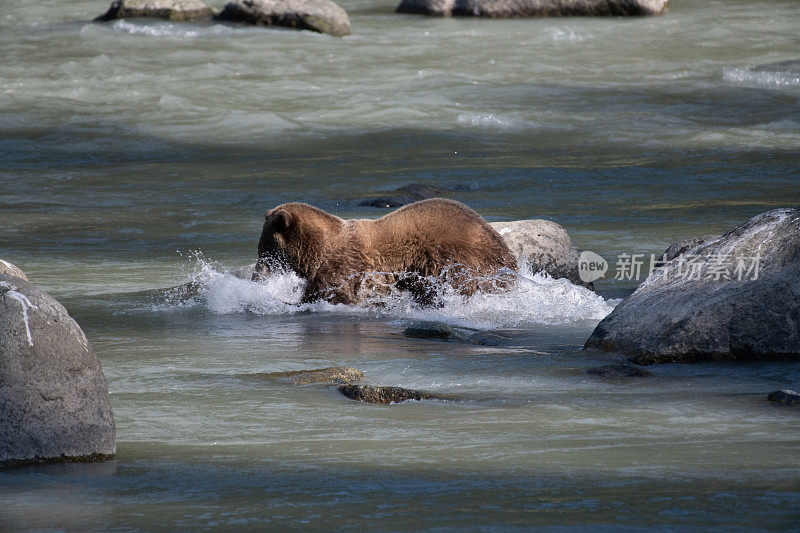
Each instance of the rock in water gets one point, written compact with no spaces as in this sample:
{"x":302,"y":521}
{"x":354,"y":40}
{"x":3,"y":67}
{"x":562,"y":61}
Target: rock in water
{"x":619,"y":370}
{"x":384,"y":395}
{"x":784,"y":397}
{"x":791,"y":66}
{"x":413,"y":192}
{"x":733,"y":298}
{"x":54,"y":402}
{"x":11,"y":269}
{"x":322,"y":16}
{"x":533,"y":8}
{"x":544,"y":246}
{"x":174,"y":10}
{"x":339,"y":375}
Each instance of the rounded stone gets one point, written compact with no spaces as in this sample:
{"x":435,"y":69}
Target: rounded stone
{"x":174,"y":10}
{"x":53,"y":395}
{"x":322,"y":16}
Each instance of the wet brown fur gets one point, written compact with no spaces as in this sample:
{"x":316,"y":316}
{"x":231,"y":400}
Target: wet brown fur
{"x":439,"y":238}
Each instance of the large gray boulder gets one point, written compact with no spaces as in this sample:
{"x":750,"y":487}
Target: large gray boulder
{"x":736,"y":297}
{"x":54,"y":402}
{"x":532,"y":8}
{"x":11,"y":269}
{"x":174,"y":10}
{"x":544,"y":246}
{"x":322,"y":16}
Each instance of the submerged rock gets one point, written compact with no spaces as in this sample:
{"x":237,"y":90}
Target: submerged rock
{"x":619,"y":370}
{"x":533,"y":8}
{"x":337,"y":375}
{"x":544,"y":246}
{"x":791,"y":66}
{"x":11,"y":269}
{"x":439,"y":331}
{"x":734,"y":298}
{"x":174,"y":10}
{"x":435,"y":331}
{"x":784,"y":397}
{"x":384,"y":395}
{"x":413,"y":192}
{"x":322,"y":16}
{"x":54,"y":402}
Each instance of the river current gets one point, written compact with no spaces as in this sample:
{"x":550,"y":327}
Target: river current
{"x":137,"y":155}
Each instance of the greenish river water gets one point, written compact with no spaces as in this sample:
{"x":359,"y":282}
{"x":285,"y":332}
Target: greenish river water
{"x":128,"y":147}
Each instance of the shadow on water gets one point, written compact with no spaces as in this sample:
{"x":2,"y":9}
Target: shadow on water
{"x":200,"y":487}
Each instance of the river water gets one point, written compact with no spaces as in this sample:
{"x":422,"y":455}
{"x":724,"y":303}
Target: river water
{"x":137,"y":155}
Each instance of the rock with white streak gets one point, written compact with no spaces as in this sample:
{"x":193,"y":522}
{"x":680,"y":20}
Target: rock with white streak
{"x":54,"y":403}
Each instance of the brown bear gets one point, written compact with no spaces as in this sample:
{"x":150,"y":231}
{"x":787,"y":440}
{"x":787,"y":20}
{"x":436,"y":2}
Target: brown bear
{"x":414,"y":248}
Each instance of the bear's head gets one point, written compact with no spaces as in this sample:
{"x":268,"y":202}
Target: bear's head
{"x":294,"y":237}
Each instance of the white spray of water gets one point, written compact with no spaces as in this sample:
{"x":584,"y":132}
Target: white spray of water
{"x":536,"y":299}
{"x":25,"y":304}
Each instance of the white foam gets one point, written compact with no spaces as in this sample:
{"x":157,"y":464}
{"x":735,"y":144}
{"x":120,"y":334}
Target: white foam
{"x":766,"y":78}
{"x":560,"y":35}
{"x":537,"y":299}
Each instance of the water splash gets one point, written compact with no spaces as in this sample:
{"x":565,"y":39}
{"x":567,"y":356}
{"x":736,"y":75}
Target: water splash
{"x":761,"y":78}
{"x":536,"y":299}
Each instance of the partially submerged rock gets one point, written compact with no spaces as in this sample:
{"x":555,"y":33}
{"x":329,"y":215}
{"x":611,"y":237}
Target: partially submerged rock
{"x":174,"y":10}
{"x":54,"y":403}
{"x":619,"y":370}
{"x":784,"y":397}
{"x":792,"y":66}
{"x":544,"y":246}
{"x":322,"y":16}
{"x":733,"y":298}
{"x":11,"y":269}
{"x":533,"y":8}
{"x":384,"y":395}
{"x":337,"y":375}
{"x":413,"y":192}
{"x":439,"y":331}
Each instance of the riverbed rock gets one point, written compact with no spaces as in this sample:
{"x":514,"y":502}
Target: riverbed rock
{"x":619,"y":370}
{"x":544,"y":246}
{"x":11,"y":269}
{"x":532,"y":8}
{"x":54,"y":403}
{"x":322,"y":16}
{"x":174,"y":10}
{"x":736,"y":298}
{"x":413,"y":192}
{"x":336,"y":375}
{"x":784,"y":397}
{"x":384,"y":395}
{"x":439,"y":331}
{"x":685,"y":245}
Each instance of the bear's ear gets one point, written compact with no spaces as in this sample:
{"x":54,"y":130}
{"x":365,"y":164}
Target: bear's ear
{"x":281,"y":220}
